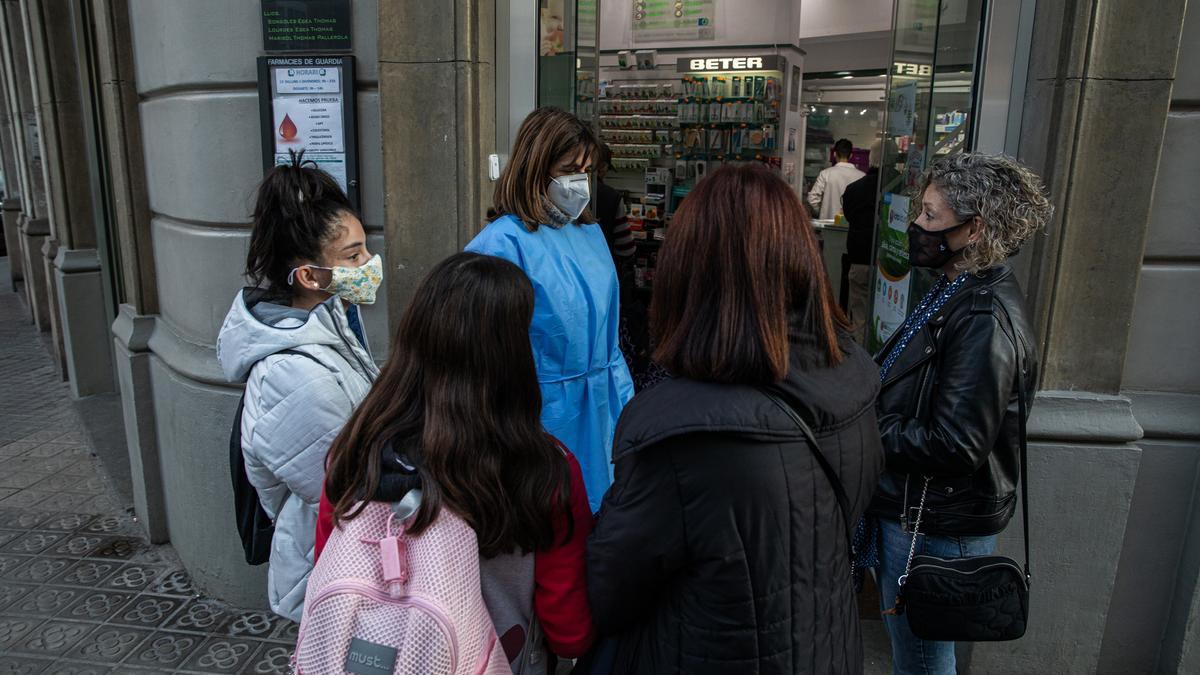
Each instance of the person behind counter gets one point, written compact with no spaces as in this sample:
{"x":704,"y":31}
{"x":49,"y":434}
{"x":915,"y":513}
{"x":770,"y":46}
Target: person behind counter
{"x":858,"y":206}
{"x":611,"y":214}
{"x":826,"y":194}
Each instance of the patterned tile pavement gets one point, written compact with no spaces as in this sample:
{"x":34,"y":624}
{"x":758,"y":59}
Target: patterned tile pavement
{"x":81,"y":589}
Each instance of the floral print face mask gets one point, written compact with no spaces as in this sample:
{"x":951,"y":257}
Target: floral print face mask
{"x":356,"y":285}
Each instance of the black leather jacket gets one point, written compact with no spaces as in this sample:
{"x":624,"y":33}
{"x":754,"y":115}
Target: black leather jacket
{"x":948,"y":410}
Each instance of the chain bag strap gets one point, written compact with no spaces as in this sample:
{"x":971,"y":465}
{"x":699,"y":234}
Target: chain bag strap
{"x":912,"y":549}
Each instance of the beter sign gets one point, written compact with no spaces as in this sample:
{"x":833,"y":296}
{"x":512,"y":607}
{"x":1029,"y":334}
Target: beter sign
{"x":746,"y":63}
{"x":724,"y":63}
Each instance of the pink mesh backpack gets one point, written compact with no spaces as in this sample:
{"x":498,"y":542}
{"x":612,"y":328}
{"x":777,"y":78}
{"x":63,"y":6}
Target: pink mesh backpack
{"x":380,"y":601}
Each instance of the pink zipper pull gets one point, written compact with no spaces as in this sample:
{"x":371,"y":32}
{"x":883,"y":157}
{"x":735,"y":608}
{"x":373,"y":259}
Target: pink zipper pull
{"x":394,"y":559}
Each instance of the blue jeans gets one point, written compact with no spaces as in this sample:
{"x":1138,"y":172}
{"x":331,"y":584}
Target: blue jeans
{"x":910,"y":654}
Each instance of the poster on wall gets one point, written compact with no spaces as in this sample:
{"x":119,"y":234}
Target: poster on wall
{"x":551,"y":28}
{"x":902,"y":109}
{"x":914,"y":167}
{"x":893,"y":276}
{"x":307,"y":103}
{"x":794,"y":91}
{"x":668,"y":20}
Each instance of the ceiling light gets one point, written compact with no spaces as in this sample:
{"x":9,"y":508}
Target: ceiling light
{"x":847,"y":77}
{"x":846,"y":111}
{"x":863,"y":112}
{"x":829,"y":111}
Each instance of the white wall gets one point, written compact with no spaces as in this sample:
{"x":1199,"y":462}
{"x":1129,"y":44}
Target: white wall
{"x":837,"y":34}
{"x":742,"y":22}
{"x":738,"y":22}
{"x":824,"y":18}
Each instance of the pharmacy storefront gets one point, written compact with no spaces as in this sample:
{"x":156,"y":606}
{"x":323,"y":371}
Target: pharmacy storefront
{"x":677,"y":89}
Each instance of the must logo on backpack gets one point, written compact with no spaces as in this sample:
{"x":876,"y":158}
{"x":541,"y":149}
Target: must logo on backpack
{"x":381,"y":601}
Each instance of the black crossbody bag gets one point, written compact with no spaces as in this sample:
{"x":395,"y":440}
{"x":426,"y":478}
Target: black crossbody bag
{"x":980,"y":599}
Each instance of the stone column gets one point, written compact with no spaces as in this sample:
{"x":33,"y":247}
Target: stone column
{"x":19,"y":102}
{"x":1079,"y":104}
{"x":28,"y":157}
{"x":34,"y":234}
{"x":12,"y":184}
{"x":1098,"y":90}
{"x":82,"y":304}
{"x":131,"y":210}
{"x":12,"y":237}
{"x":59,"y":83}
{"x":435,"y":157}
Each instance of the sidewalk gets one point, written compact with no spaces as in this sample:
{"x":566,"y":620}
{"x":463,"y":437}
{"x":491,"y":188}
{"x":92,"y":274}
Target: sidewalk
{"x":81,"y":590}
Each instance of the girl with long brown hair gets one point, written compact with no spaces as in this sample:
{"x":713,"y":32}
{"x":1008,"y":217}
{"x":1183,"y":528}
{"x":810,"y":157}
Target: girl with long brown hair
{"x":456,"y":413}
{"x":543,"y":225}
{"x":723,"y":544}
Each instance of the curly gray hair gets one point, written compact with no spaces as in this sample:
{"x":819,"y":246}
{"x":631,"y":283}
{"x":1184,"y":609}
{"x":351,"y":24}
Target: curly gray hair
{"x":1009,"y":198}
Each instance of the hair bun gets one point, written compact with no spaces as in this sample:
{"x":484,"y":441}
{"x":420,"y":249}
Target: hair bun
{"x":298,"y":161}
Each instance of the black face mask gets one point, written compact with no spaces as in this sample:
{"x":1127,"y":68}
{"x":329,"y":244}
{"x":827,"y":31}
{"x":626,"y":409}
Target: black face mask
{"x":930,"y":249}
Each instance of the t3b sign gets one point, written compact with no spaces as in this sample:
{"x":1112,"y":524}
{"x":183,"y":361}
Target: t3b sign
{"x":729,"y":63}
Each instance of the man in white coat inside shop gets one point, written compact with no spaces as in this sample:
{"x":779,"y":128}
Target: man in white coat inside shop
{"x":826,"y":194}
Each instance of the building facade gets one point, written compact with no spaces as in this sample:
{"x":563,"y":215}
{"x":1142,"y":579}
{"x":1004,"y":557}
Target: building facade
{"x":129,"y":147}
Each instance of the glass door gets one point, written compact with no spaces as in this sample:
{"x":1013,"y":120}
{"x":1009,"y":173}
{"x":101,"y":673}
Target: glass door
{"x":931,"y":104}
{"x":567,"y":55}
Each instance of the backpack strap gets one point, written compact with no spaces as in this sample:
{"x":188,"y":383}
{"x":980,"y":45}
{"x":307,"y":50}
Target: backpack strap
{"x":255,"y":527}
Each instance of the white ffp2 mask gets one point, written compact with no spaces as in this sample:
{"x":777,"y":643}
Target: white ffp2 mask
{"x":571,"y":194}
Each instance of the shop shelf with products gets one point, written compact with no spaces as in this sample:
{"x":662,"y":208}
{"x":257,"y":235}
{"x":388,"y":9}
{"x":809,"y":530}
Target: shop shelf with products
{"x":728,"y":116}
{"x":639,"y":121}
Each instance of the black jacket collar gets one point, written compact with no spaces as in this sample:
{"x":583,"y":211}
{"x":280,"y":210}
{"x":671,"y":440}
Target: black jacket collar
{"x":827,"y":398}
{"x":923,"y":346}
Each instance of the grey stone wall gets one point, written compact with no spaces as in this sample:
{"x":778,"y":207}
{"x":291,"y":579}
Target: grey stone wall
{"x":196,"y":82}
{"x":1110,"y":509}
{"x":437,"y":146}
{"x":1160,"y":561}
{"x":1083,"y":467}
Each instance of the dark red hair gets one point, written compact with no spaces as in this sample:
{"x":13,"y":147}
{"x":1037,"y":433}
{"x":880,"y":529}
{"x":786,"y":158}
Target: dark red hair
{"x":740,"y":272}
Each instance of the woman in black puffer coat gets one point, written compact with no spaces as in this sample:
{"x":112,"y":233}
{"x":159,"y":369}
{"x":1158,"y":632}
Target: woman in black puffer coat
{"x":721,"y":547}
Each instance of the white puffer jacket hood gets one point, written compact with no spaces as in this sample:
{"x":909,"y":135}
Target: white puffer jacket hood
{"x":305,"y":372}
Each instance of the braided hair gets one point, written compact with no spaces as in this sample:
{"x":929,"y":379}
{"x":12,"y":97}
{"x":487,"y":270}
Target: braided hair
{"x":296,"y":212}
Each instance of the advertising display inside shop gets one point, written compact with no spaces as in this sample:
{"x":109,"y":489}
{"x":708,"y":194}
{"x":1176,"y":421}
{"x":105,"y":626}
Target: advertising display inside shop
{"x":931,"y":108}
{"x":666,"y":133}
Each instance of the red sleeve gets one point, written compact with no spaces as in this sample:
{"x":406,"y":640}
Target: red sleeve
{"x":324,"y":525}
{"x":560,"y":578}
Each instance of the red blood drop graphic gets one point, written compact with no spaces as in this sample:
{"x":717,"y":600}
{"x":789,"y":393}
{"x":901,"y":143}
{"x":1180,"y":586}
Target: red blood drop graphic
{"x":287,"y":129}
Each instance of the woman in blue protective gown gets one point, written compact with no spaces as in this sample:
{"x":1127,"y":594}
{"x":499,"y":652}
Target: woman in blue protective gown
{"x":541,"y":223}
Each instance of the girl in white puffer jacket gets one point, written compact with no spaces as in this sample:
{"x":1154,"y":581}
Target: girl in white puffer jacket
{"x":296,"y":339}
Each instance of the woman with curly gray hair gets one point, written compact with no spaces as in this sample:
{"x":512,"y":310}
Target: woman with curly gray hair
{"x":948,"y":413}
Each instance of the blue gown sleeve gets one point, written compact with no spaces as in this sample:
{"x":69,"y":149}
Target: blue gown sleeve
{"x":498,"y":239}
